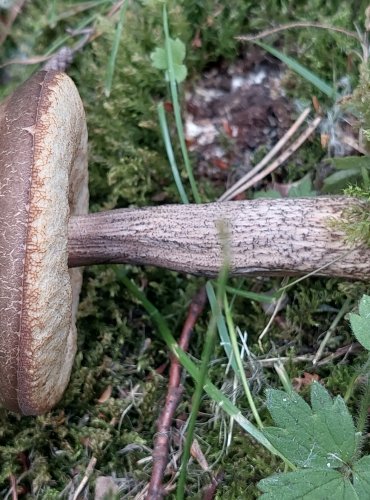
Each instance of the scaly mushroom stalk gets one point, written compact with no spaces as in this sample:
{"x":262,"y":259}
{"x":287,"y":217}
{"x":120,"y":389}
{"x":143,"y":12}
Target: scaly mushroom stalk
{"x":44,"y":234}
{"x":264,"y":237}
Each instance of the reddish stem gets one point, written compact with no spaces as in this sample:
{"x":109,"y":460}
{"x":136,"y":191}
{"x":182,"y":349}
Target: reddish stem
{"x":161,"y":445}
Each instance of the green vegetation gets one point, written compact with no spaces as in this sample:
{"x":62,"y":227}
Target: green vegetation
{"x":127,"y":315}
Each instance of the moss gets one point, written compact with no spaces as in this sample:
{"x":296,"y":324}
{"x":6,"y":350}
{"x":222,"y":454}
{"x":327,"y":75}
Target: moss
{"x":118,"y":347}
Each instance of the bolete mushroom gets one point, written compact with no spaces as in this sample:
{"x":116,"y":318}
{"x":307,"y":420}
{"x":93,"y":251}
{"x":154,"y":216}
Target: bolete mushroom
{"x":45,"y":233}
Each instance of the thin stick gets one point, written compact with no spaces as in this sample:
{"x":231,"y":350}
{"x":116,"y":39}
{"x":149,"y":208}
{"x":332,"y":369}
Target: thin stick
{"x":331,"y":329}
{"x":6,"y":27}
{"x":280,"y":159}
{"x":273,"y":315}
{"x":13,"y":487}
{"x":83,"y":483}
{"x":230,"y":193}
{"x":301,"y":24}
{"x":161,"y":445}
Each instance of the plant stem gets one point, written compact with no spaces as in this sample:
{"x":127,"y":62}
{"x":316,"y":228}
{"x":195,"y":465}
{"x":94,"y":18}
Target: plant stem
{"x":170,"y":154}
{"x":114,"y":52}
{"x":193,"y":369}
{"x":176,"y":108}
{"x":241,"y":373}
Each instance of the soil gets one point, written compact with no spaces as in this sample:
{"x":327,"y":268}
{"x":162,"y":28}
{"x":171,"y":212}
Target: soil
{"x":233,"y":110}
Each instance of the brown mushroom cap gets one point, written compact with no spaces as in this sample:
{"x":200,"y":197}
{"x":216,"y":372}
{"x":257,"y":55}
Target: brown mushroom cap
{"x":42,"y":136}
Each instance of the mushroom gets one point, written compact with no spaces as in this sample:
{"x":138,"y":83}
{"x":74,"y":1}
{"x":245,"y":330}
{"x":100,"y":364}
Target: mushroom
{"x":46,"y":234}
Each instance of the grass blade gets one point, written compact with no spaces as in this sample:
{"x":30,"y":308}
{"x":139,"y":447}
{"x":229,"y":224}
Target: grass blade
{"x":193,"y":369}
{"x":300,"y":70}
{"x":258,"y":297}
{"x":221,"y":326}
{"x":170,"y":153}
{"x":114,"y":52}
{"x":239,"y":362}
{"x":199,"y":386}
{"x":176,"y":108}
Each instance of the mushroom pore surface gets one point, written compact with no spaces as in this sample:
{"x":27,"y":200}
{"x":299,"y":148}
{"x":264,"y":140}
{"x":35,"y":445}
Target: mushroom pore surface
{"x":43,"y":180}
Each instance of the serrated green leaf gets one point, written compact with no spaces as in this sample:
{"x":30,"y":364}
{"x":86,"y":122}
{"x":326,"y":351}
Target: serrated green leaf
{"x":178,"y":51}
{"x":364,"y":307}
{"x":333,"y":423}
{"x":307,"y":485}
{"x":323,"y":436}
{"x":360,"y":324}
{"x":269,"y":193}
{"x":299,"y":447}
{"x":361,"y":477}
{"x":320,"y":398}
{"x":180,"y":71}
{"x":341,"y":178}
{"x":347,"y":162}
{"x":303,"y":188}
{"x":287,"y":409}
{"x":159,"y":59}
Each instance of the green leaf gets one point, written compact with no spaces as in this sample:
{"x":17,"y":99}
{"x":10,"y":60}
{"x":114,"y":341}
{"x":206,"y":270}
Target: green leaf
{"x":308,"y":485}
{"x":341,"y":179}
{"x":322,"y":435}
{"x":361,"y":477}
{"x":269,"y":193}
{"x":303,"y":188}
{"x":159,"y":59}
{"x":346,"y":162}
{"x":301,"y":70}
{"x":360,"y":324}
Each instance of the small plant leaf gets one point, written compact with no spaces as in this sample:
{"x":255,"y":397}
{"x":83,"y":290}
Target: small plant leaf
{"x":308,"y":485}
{"x":361,"y":477}
{"x":303,"y":188}
{"x":320,"y":436}
{"x":346,"y":162}
{"x":341,"y":179}
{"x":360,"y":323}
{"x":270,"y":193}
{"x":159,"y":59}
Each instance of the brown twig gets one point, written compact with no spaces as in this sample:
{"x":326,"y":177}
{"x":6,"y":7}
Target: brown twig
{"x":13,"y":486}
{"x":230,"y":193}
{"x":302,"y":24}
{"x":89,"y":470}
{"x":6,"y":27}
{"x":64,"y":55}
{"x":210,"y":490}
{"x":161,"y":444}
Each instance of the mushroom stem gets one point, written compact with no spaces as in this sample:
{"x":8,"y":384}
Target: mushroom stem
{"x":264,"y":237}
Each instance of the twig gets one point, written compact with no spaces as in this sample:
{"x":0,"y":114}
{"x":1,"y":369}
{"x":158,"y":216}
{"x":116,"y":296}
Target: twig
{"x":13,"y":486}
{"x":161,"y":445}
{"x":6,"y":27}
{"x":344,"y":309}
{"x":83,"y":483}
{"x":267,"y":327}
{"x":280,"y":159}
{"x":88,"y":35}
{"x":301,"y":24}
{"x":353,"y":144}
{"x":209,"y":491}
{"x":230,"y":193}
{"x":344,"y":352}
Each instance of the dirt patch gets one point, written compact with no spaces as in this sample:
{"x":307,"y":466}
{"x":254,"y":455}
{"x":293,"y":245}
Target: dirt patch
{"x":232,"y":111}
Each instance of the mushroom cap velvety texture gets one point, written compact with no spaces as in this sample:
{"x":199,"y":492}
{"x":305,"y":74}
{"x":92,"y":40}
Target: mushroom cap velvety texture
{"x":43,"y":180}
